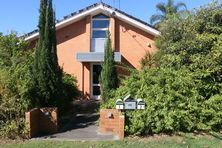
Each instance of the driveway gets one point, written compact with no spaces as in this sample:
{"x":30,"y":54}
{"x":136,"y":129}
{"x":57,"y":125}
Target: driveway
{"x":80,"y":126}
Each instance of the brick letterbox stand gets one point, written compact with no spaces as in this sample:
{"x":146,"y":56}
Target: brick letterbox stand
{"x":42,"y":121}
{"x":112,"y":120}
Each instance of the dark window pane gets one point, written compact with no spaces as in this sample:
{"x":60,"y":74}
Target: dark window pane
{"x":99,"y":34}
{"x":96,"y":90}
{"x":100,"y":16}
{"x":96,"y":72}
{"x":100,"y":23}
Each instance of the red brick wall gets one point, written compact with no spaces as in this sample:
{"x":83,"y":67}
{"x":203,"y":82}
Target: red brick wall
{"x":130,"y":41}
{"x":32,"y":120}
{"x":115,"y":123}
{"x":41,"y":121}
{"x":49,"y":122}
{"x":72,"y":39}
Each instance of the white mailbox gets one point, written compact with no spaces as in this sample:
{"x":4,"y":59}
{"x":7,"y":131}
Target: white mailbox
{"x":119,"y":104}
{"x":129,"y":103}
{"x":140,"y":104}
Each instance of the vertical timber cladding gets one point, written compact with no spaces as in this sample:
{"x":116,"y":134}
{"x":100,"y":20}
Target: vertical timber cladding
{"x":112,"y":120}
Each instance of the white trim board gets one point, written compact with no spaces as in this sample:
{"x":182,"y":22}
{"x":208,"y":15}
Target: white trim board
{"x":100,"y":8}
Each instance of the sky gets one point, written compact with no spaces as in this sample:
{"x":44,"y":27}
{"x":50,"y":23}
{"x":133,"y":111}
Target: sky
{"x":22,"y":15}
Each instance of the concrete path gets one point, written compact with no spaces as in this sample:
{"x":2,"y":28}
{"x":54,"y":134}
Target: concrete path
{"x":81,"y":127}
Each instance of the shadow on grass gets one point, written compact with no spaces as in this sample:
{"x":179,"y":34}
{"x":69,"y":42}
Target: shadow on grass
{"x":216,"y":135}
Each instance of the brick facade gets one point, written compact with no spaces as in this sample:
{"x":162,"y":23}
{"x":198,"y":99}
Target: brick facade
{"x":112,"y":120}
{"x":42,"y":121}
{"x":127,"y":39}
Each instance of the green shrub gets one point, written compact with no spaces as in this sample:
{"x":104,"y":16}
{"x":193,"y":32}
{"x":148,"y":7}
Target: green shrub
{"x":15,"y":78}
{"x":70,"y":92}
{"x":183,"y":93}
{"x":13,"y":129}
{"x":172,"y":103}
{"x":16,"y":86}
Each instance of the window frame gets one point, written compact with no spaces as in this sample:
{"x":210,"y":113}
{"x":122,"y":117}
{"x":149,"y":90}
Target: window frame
{"x":100,"y":20}
{"x":99,"y":29}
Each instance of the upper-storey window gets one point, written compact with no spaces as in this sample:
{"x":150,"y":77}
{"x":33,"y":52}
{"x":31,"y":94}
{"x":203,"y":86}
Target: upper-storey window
{"x":100,"y":26}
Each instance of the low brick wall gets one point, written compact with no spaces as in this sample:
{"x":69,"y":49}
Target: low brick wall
{"x":42,"y":121}
{"x":112,"y":120}
{"x":32,"y":120}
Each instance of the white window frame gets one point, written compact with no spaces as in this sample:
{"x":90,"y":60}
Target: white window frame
{"x":98,"y":29}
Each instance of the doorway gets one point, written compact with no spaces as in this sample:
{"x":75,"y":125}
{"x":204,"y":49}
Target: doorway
{"x":95,"y":85}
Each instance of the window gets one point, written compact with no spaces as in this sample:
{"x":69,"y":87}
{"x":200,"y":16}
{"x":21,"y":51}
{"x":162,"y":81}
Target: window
{"x":100,"y":23}
{"x":99,"y":34}
{"x":100,"y":26}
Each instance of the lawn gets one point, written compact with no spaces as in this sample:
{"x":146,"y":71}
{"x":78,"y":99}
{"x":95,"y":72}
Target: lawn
{"x":185,"y":141}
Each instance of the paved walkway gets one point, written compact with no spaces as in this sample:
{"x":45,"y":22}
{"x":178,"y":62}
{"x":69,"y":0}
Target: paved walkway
{"x":80,"y":127}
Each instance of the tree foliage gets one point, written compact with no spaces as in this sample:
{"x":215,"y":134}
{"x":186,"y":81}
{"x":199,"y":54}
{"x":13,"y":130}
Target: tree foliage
{"x":166,"y":10}
{"x":15,"y":79}
{"x":148,"y":61}
{"x":16,"y":86}
{"x":47,"y":74}
{"x":195,"y":43}
{"x":108,"y":76}
{"x":184,"y":91}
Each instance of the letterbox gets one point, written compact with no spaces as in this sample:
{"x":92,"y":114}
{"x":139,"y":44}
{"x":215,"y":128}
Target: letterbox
{"x":119,"y":104}
{"x":129,"y":103}
{"x":140,"y":104}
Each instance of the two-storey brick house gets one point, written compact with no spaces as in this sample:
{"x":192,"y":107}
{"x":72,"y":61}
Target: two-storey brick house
{"x":81,"y":37}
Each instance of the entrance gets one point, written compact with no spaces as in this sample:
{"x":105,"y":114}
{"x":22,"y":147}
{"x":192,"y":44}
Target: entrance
{"x":95,"y":86}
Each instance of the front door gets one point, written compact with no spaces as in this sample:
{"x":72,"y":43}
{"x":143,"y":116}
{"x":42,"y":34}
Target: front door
{"x":95,"y":86}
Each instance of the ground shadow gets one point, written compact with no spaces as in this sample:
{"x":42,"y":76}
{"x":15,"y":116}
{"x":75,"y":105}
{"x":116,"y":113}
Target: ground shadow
{"x":80,"y":121}
{"x":216,"y":135}
{"x":84,"y":113}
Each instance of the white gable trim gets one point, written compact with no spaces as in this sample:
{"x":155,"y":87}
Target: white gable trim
{"x":98,"y":9}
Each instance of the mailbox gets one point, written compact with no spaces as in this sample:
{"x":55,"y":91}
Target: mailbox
{"x":129,"y":103}
{"x":140,"y":104}
{"x":119,"y":104}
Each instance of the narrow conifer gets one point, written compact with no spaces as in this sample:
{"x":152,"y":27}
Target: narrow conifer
{"x":47,"y":74}
{"x":108,"y":76}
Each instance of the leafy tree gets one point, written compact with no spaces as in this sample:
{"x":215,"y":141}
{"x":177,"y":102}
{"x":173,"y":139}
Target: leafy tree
{"x":16,"y":61}
{"x":166,"y":10}
{"x":108,"y":76}
{"x":148,"y":60}
{"x":184,"y":91}
{"x":195,"y":43}
{"x":15,"y":79}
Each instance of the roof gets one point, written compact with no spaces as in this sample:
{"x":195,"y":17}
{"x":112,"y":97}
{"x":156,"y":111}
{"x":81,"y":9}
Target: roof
{"x":95,"y":9}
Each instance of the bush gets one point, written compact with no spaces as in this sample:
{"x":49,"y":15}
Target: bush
{"x":15,"y":78}
{"x":184,"y":92}
{"x":172,"y":103}
{"x":14,"y":129}
{"x":70,"y":92}
{"x":16,"y":86}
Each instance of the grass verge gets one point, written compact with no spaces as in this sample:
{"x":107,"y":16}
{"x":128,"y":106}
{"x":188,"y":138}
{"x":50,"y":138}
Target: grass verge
{"x":183,"y":141}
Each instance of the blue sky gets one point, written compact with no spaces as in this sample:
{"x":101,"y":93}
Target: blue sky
{"x":22,"y":15}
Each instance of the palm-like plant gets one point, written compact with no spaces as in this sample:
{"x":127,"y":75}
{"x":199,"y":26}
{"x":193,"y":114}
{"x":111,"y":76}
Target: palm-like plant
{"x":167,"y":9}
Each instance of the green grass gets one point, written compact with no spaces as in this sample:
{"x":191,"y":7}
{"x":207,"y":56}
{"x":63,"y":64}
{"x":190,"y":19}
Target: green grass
{"x":185,"y":141}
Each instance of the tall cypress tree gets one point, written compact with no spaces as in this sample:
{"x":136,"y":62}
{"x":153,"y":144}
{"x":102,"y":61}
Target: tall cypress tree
{"x":108,"y":76}
{"x":47,"y":74}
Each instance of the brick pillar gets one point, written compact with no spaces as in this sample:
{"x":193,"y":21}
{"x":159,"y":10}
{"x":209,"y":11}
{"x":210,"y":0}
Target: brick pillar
{"x":32,"y":119}
{"x":86,"y":66}
{"x":88,"y":32}
{"x":40,"y":121}
{"x":112,"y":31}
{"x":121,"y":126}
{"x":112,"y":120}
